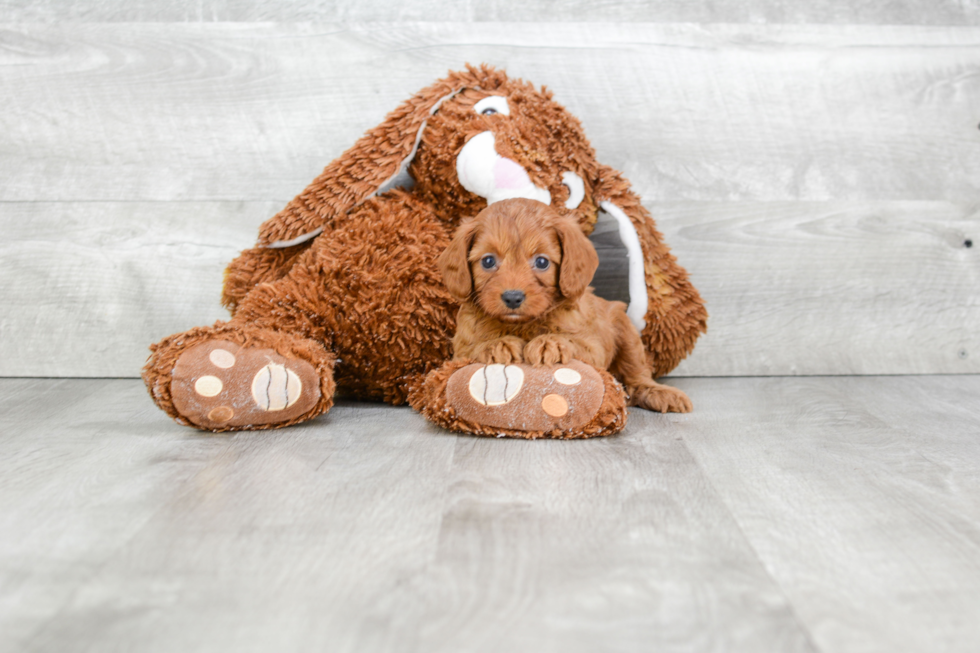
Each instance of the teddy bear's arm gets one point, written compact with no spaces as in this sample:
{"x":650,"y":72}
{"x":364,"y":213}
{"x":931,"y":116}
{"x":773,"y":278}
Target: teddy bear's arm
{"x":255,"y":266}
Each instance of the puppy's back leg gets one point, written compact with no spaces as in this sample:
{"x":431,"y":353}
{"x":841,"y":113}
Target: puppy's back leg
{"x":632,"y":367}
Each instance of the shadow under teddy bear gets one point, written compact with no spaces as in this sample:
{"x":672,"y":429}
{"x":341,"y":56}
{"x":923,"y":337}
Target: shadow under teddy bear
{"x":343,"y":293}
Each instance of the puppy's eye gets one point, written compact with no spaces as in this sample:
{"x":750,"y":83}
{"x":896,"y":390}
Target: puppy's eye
{"x":489,"y":111}
{"x":488,"y":262}
{"x":541,"y":263}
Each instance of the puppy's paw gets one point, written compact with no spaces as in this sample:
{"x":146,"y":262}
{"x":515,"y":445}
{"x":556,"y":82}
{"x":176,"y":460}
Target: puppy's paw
{"x":549,"y":349}
{"x":661,"y":398}
{"x":502,"y":351}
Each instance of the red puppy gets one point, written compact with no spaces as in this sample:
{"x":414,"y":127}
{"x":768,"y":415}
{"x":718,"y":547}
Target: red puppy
{"x":522,"y":273}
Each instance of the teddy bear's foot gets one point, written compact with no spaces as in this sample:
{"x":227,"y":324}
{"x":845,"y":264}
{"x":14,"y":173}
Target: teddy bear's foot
{"x":573,"y":400}
{"x":228,"y":378}
{"x":219,"y":384}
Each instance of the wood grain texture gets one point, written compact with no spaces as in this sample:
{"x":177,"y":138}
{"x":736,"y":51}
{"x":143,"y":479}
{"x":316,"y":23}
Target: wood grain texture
{"x":831,"y":288}
{"x":614,"y":546}
{"x":861,"y":497}
{"x":818,"y":182}
{"x":884,"y":12}
{"x":129,"y":532}
{"x":88,"y":286}
{"x":365,"y":530}
{"x":785,"y":514}
{"x":702,"y":112}
{"x":792,"y":288}
{"x":79,"y":481}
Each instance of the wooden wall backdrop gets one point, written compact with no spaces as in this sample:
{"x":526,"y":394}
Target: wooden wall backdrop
{"x":815,"y":167}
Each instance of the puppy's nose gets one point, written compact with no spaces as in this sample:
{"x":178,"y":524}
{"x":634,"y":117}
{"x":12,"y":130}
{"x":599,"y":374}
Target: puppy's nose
{"x":513,"y":298}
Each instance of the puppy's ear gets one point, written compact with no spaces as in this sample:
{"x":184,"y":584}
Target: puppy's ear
{"x":579,"y":260}
{"x":454,"y":262}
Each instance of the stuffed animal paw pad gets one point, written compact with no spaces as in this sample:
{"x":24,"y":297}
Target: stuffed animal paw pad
{"x":220,"y":384}
{"x":526,"y":398}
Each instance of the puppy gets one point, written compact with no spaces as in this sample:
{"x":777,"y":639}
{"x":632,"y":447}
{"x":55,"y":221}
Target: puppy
{"x":522,"y":273}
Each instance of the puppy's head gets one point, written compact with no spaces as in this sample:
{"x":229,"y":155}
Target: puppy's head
{"x":518,"y":259}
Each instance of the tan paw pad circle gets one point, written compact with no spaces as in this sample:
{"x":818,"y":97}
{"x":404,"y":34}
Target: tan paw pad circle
{"x":222,"y":358}
{"x":276,"y":387}
{"x":208,"y":386}
{"x":496,"y":384}
{"x":221,"y":414}
{"x":554,"y":405}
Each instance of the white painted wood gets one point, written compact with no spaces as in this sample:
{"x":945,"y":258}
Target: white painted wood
{"x":791,"y":288}
{"x":707,"y":112}
{"x":861,"y":497}
{"x":831,"y":288}
{"x":886,"y":12}
{"x":138,"y":159}
{"x":88,"y":286}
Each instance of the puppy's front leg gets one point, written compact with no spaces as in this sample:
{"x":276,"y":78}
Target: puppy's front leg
{"x":549,"y":349}
{"x":505,"y":350}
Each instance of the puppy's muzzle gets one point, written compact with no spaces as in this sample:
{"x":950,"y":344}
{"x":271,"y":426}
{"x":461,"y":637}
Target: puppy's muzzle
{"x":512,"y":298}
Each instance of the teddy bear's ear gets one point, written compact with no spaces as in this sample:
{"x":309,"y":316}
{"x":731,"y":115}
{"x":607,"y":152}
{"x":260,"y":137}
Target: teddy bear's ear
{"x":378,"y":161}
{"x":664,"y":306}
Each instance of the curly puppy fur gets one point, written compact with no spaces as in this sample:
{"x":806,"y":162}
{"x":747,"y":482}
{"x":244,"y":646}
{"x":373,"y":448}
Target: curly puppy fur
{"x":350,"y":263}
{"x":522,"y":271}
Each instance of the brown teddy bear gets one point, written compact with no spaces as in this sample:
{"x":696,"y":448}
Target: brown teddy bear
{"x":343,"y":292}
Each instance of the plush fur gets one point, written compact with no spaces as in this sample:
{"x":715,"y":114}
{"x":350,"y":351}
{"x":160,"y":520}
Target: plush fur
{"x":347,"y":270}
{"x":431,"y":400}
{"x":167,"y":351}
{"x":522,"y":271}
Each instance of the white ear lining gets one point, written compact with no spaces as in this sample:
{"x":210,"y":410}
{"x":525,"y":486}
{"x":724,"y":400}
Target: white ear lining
{"x":401,"y":177}
{"x":576,"y":189}
{"x":637,"y":310}
{"x":281,"y":244}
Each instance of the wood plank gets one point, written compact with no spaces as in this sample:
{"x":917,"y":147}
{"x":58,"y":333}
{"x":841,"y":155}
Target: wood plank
{"x":365,"y":530}
{"x":89,"y":286}
{"x":861,"y":497}
{"x":688,"y":112}
{"x":831,"y":514}
{"x":615,"y":544}
{"x":792,"y":288}
{"x":125,"y":530}
{"x":831,"y":288}
{"x":85,"y":465}
{"x":920,"y":12}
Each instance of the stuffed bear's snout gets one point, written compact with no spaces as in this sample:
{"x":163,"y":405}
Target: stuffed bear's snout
{"x":485,"y":173}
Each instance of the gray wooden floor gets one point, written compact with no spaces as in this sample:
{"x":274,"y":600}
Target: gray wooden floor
{"x":785,"y":514}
